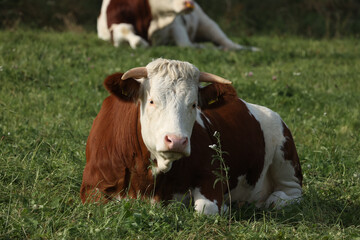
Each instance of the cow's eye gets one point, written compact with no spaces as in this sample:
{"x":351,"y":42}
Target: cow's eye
{"x":151,"y":102}
{"x":194,"y":105}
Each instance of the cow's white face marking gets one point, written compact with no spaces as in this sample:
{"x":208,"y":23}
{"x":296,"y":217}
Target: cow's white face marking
{"x":168,"y":110}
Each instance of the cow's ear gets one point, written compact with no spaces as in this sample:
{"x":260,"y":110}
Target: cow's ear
{"x":215,"y":95}
{"x":126,"y":90}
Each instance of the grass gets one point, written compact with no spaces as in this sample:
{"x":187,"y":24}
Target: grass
{"x":51,"y":90}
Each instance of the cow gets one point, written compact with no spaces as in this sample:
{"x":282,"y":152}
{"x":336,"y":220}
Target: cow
{"x":160,"y":22}
{"x":154,"y":138}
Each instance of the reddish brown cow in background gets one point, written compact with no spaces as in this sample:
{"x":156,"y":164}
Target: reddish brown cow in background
{"x":158,"y":114}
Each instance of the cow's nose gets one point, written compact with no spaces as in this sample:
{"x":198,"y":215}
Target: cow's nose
{"x":176,"y":143}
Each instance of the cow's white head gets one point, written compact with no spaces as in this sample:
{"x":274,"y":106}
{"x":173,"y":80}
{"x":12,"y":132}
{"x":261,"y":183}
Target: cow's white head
{"x":168,"y":94}
{"x":163,"y":7}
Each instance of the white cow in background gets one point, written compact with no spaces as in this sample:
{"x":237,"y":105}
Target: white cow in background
{"x":160,"y":22}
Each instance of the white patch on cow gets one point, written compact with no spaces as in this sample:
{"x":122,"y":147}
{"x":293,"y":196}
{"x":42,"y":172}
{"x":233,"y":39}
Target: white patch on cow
{"x":160,"y":166}
{"x":167,"y":108}
{"x":180,"y":30}
{"x":102,"y":26}
{"x":198,"y":118}
{"x":164,"y":13}
{"x":174,"y":33}
{"x":204,"y":205}
{"x":280,"y":199}
{"x":286,"y":189}
{"x":206,"y":118}
{"x":124,"y":32}
{"x":164,"y":165}
{"x":271,"y":126}
{"x":179,"y":34}
{"x":277,"y":184}
{"x":167,"y":7}
{"x":160,"y":37}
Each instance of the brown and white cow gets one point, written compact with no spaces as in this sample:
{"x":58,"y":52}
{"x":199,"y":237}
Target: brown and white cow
{"x":159,"y":22}
{"x":152,"y":135}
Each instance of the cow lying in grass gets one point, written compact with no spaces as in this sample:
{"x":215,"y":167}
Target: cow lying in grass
{"x":159,"y":22}
{"x":152,"y":135}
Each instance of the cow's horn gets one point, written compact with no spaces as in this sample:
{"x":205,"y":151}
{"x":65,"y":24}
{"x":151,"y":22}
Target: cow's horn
{"x":208,"y":77}
{"x":138,"y":72}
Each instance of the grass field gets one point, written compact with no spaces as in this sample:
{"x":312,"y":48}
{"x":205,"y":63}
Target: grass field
{"x":51,"y":90}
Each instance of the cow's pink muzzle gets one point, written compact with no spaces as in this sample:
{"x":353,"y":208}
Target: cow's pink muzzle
{"x":175,"y":143}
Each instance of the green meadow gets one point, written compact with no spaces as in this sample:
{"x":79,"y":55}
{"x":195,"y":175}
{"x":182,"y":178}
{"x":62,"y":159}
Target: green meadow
{"x":51,"y":89}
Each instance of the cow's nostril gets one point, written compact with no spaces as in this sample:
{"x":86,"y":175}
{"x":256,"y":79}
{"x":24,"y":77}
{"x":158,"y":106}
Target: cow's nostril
{"x":167,"y":139}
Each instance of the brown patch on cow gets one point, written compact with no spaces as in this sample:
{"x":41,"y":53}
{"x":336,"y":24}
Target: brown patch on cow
{"x":290,"y":152}
{"x":126,"y":90}
{"x":134,"y":12}
{"x":215,"y":95}
{"x":241,"y":134}
{"x":116,"y":157}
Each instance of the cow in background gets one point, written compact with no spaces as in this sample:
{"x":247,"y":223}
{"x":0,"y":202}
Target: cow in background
{"x":160,"y":22}
{"x":154,"y":133}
